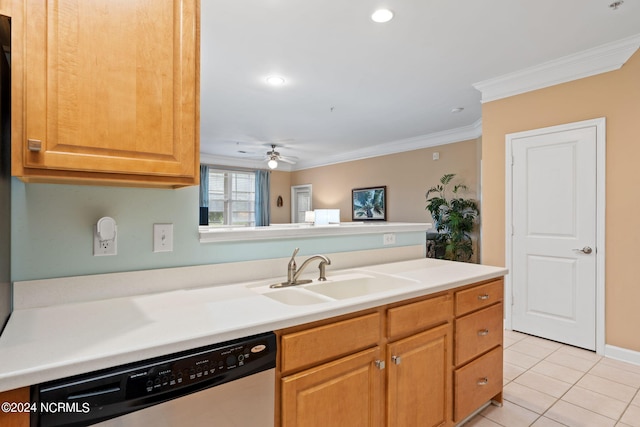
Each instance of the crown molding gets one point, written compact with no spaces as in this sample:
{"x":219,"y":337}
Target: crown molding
{"x":240,"y":162}
{"x":463,"y":133}
{"x":604,"y":58}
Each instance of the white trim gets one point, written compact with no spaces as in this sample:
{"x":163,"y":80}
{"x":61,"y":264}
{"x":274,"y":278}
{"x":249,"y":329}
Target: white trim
{"x":600,"y":124}
{"x":294,"y":199}
{"x":604,"y":58}
{"x":623,"y":354}
{"x":435,"y":139}
{"x":460,"y":134}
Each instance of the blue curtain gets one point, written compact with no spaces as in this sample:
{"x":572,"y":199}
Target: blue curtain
{"x":263,"y":210}
{"x":204,"y":194}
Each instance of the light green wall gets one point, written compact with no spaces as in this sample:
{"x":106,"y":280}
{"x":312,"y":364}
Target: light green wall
{"x":52,"y":232}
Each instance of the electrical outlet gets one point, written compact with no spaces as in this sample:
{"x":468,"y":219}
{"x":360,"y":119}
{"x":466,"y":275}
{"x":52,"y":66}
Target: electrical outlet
{"x":388,"y":239}
{"x":102,"y":247}
{"x":162,"y":237}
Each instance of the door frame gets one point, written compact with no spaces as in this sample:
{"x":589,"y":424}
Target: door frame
{"x":600,"y":124}
{"x":294,"y":200}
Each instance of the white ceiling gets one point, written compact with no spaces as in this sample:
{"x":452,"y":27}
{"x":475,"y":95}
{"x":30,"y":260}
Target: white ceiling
{"x":355,"y":88}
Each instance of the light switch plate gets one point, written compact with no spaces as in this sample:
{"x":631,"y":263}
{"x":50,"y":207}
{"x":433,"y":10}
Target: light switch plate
{"x":162,"y":237}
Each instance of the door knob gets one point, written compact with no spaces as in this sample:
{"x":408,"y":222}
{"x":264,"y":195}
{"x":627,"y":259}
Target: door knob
{"x":586,"y":250}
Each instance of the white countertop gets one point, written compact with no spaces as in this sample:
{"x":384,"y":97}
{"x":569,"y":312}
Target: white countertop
{"x":45,"y":343}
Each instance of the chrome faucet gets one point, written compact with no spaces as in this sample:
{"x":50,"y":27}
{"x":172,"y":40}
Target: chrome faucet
{"x":293,"y":272}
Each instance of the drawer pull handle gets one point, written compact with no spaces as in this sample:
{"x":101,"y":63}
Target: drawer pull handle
{"x":483,"y":332}
{"x":483,"y":381}
{"x":396,"y":359}
{"x":380,"y":364}
{"x":483,"y":297}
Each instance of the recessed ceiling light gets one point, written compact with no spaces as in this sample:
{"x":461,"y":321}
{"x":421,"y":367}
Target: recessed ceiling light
{"x":275,"y":80}
{"x":382,"y":15}
{"x":456,"y":110}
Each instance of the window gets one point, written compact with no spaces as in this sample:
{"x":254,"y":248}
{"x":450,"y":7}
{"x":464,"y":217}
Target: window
{"x":232,"y":198}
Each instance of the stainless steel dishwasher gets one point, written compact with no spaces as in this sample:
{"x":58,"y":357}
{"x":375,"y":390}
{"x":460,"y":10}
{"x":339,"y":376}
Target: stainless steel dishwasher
{"x":228,"y":384}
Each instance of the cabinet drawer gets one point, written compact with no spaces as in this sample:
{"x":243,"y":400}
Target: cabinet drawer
{"x":478,"y":332}
{"x":477,"y":382}
{"x":479,"y":296}
{"x":419,"y":315}
{"x":323,"y":343}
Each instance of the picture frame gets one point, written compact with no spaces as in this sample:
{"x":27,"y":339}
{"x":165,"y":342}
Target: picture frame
{"x":369,"y":203}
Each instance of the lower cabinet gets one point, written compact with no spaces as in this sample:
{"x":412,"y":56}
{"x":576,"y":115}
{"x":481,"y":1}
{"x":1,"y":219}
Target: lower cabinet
{"x":477,"y":383}
{"x":418,"y":385}
{"x":345,"y":392}
{"x":478,"y":347}
{"x":426,"y":362}
{"x":403,"y":379}
{"x":14,"y":415}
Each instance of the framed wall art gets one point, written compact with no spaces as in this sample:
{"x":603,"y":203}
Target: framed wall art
{"x":369,"y":204}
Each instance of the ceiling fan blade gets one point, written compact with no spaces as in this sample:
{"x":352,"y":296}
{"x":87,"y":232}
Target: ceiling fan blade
{"x":287,"y":160}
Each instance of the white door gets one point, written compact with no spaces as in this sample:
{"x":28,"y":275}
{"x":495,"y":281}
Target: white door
{"x":301,"y":201}
{"x":554,"y":217}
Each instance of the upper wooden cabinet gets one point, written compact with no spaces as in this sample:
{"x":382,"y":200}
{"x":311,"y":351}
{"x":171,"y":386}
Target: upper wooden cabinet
{"x":106,"y":91}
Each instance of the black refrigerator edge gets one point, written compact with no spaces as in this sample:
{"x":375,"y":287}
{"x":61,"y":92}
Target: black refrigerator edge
{"x":5,"y":171}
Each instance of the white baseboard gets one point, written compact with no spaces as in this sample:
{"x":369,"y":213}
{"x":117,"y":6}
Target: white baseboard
{"x":622,"y":354}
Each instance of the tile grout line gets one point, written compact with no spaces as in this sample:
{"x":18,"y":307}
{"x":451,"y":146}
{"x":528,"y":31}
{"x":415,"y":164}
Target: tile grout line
{"x":574,"y":384}
{"x":626,"y":408}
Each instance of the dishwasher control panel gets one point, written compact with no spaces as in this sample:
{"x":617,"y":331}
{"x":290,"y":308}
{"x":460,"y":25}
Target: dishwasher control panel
{"x":195,"y":368}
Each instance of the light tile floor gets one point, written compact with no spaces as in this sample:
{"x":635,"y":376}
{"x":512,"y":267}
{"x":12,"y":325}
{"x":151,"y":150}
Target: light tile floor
{"x":548,"y":384}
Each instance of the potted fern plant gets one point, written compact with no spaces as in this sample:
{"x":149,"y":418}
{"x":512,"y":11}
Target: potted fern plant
{"x":454,"y":218}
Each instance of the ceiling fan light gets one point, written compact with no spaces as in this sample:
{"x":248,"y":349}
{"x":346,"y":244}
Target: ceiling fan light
{"x":272,"y":163}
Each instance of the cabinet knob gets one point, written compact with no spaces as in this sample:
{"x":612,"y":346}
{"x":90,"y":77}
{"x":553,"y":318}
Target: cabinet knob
{"x":483,"y":332}
{"x":483,"y":297}
{"x":34,"y":145}
{"x":380,"y":364}
{"x":483,"y":381}
{"x":396,"y":359}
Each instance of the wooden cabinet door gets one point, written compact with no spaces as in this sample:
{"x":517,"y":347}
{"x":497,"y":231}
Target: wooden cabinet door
{"x":15,"y":417}
{"x":419,"y":387}
{"x":345,"y":392}
{"x":110,"y":86}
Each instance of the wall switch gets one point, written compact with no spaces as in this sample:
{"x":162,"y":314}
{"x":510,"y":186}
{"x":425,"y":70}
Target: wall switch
{"x":162,"y":237}
{"x":436,"y":156}
{"x":105,"y":237}
{"x":388,"y":239}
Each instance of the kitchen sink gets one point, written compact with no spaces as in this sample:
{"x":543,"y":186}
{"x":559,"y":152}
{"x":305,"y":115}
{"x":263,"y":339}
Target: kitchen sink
{"x":338,"y":287}
{"x":357,"y":285}
{"x":291,"y":296}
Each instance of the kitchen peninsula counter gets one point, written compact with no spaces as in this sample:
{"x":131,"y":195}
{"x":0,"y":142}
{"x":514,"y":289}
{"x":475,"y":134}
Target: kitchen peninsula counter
{"x":305,"y":230}
{"x":43,"y":341}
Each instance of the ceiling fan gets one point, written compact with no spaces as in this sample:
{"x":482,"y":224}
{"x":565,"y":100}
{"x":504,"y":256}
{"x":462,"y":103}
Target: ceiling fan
{"x":273,"y":157}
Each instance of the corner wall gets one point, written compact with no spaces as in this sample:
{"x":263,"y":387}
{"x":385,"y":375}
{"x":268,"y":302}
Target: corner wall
{"x":616,"y":96}
{"x":280,"y":186}
{"x":407,"y":175}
